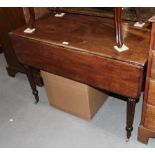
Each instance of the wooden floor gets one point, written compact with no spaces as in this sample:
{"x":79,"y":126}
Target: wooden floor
{"x":92,"y":34}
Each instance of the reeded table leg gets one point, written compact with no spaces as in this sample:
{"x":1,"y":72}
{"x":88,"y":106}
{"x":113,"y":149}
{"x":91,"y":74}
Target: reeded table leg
{"x":130,"y":116}
{"x":29,"y":73}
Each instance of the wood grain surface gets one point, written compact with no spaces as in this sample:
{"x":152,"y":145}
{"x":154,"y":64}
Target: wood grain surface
{"x":93,"y":35}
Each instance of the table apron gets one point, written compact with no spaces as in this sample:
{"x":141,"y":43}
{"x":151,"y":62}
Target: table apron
{"x":105,"y":73}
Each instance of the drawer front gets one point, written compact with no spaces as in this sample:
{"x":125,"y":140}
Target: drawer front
{"x":109,"y":74}
{"x":153,"y":66}
{"x":151,"y":92}
{"x":149,"y":121}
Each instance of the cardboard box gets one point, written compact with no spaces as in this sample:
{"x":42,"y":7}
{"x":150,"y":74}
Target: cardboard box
{"x":73,"y":97}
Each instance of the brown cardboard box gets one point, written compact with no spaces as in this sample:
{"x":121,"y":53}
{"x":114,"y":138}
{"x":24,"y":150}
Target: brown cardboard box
{"x":73,"y":97}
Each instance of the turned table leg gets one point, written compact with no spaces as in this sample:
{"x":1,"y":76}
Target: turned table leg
{"x":30,"y":76}
{"x":119,"y":40}
{"x":138,"y":14}
{"x":131,"y":103}
{"x":29,"y":15}
{"x":11,"y":71}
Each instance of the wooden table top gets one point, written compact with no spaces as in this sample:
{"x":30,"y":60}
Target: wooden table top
{"x":93,"y":35}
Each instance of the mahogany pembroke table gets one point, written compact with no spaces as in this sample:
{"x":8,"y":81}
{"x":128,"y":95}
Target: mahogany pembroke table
{"x":81,"y":48}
